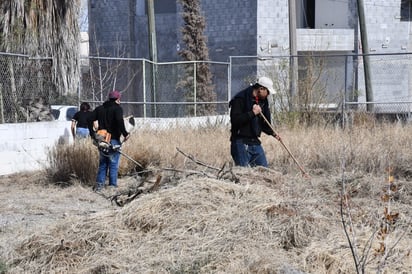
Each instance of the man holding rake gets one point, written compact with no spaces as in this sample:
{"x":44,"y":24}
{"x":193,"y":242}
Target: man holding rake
{"x":249,"y":116}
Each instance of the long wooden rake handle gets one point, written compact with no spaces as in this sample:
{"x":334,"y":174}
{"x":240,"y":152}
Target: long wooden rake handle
{"x":287,"y":149}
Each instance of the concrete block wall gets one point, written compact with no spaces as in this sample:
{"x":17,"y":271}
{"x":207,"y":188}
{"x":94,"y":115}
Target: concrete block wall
{"x":273,"y":27}
{"x":388,"y":33}
{"x":325,"y":39}
{"x":231,"y":28}
{"x":109,"y":28}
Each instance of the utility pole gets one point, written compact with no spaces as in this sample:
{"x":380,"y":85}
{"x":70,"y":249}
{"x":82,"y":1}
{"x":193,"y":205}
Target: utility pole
{"x":152,"y":30}
{"x":131,"y":68}
{"x":132,"y":30}
{"x":153,"y":50}
{"x":293,"y":52}
{"x":365,"y":51}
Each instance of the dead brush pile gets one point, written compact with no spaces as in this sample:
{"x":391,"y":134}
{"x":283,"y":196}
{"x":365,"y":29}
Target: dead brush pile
{"x":266,"y":223}
{"x":205,"y":216}
{"x":201,"y":225}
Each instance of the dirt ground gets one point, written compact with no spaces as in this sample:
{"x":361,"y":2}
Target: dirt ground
{"x":28,"y":205}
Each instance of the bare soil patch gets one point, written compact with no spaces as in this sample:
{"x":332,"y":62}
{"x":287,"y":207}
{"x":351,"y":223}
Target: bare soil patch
{"x":29,"y":205}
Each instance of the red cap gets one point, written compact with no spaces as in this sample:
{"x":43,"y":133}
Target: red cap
{"x":114,"y":94}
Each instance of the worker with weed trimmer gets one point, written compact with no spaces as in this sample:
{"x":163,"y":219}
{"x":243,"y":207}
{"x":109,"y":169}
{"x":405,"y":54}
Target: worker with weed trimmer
{"x":248,"y":111}
{"x":110,"y":128}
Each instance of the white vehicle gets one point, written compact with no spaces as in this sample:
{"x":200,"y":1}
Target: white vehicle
{"x":63,"y":112}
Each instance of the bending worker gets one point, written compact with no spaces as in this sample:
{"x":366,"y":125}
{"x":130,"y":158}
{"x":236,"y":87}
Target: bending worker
{"x":246,"y":110}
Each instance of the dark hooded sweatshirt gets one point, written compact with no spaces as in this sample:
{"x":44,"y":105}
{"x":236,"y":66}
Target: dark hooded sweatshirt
{"x":110,"y":117}
{"x":245,"y":124}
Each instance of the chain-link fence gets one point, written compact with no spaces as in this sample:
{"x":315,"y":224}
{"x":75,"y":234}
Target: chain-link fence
{"x":177,"y":89}
{"x":26,"y":88}
{"x":317,"y":84}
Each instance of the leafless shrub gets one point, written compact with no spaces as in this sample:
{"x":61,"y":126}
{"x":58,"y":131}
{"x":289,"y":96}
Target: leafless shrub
{"x":76,"y":161}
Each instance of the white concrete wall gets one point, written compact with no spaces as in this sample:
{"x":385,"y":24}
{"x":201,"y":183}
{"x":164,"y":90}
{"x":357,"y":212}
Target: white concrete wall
{"x":169,"y":123}
{"x":325,"y":39}
{"x":24,"y":146}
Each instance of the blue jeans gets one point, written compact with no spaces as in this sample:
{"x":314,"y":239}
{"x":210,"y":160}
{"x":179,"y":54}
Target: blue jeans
{"x":108,"y":162}
{"x":82,"y":133}
{"x":247,"y":155}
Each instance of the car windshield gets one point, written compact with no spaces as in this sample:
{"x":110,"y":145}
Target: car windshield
{"x":70,"y":113}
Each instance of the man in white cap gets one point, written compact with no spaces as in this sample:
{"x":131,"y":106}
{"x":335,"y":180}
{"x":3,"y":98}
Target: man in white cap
{"x":246,"y":110}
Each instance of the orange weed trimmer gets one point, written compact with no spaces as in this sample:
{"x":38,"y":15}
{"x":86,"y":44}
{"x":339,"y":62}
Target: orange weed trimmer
{"x":304,"y":173}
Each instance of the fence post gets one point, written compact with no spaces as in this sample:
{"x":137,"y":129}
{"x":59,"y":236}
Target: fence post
{"x":79,"y":89}
{"x":345,"y":91}
{"x":229,"y":80}
{"x":1,"y":104}
{"x":194,"y":89}
{"x":144,"y":88}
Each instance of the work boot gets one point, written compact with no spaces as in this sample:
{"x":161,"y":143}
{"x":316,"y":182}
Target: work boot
{"x":112,"y":190}
{"x":98,"y":188}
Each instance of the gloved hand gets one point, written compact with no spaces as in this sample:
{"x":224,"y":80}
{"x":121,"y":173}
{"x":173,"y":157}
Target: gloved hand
{"x":277,"y":137}
{"x":103,"y":146}
{"x":116,"y":147}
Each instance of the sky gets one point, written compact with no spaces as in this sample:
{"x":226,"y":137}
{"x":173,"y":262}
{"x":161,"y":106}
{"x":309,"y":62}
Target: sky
{"x":83,"y":18}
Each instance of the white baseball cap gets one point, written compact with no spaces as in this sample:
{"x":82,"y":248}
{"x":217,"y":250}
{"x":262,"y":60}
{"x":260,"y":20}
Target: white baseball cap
{"x":267,"y":83}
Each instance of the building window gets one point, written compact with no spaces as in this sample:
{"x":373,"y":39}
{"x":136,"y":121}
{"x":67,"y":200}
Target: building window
{"x":322,"y":14}
{"x":406,"y":9}
{"x":164,"y":6}
{"x":307,"y":14}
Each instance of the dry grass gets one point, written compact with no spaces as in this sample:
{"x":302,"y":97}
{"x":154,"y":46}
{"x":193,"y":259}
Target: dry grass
{"x":272,"y":221}
{"x":69,"y":163}
{"x":362,"y":149}
{"x":318,"y":150}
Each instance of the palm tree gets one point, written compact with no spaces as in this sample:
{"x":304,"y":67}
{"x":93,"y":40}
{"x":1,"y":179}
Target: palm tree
{"x":45,"y":28}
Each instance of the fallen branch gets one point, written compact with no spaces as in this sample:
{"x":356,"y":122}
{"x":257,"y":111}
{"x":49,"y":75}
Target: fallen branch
{"x":221,"y":171}
{"x":121,"y":200}
{"x":191,"y":157}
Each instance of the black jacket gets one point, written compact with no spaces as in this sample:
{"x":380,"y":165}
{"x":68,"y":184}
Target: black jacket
{"x":110,"y":117}
{"x":245,"y":124}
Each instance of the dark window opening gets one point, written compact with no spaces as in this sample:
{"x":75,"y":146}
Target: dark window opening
{"x":308,"y":10}
{"x":164,"y":6}
{"x":305,"y":13}
{"x":406,"y":10}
